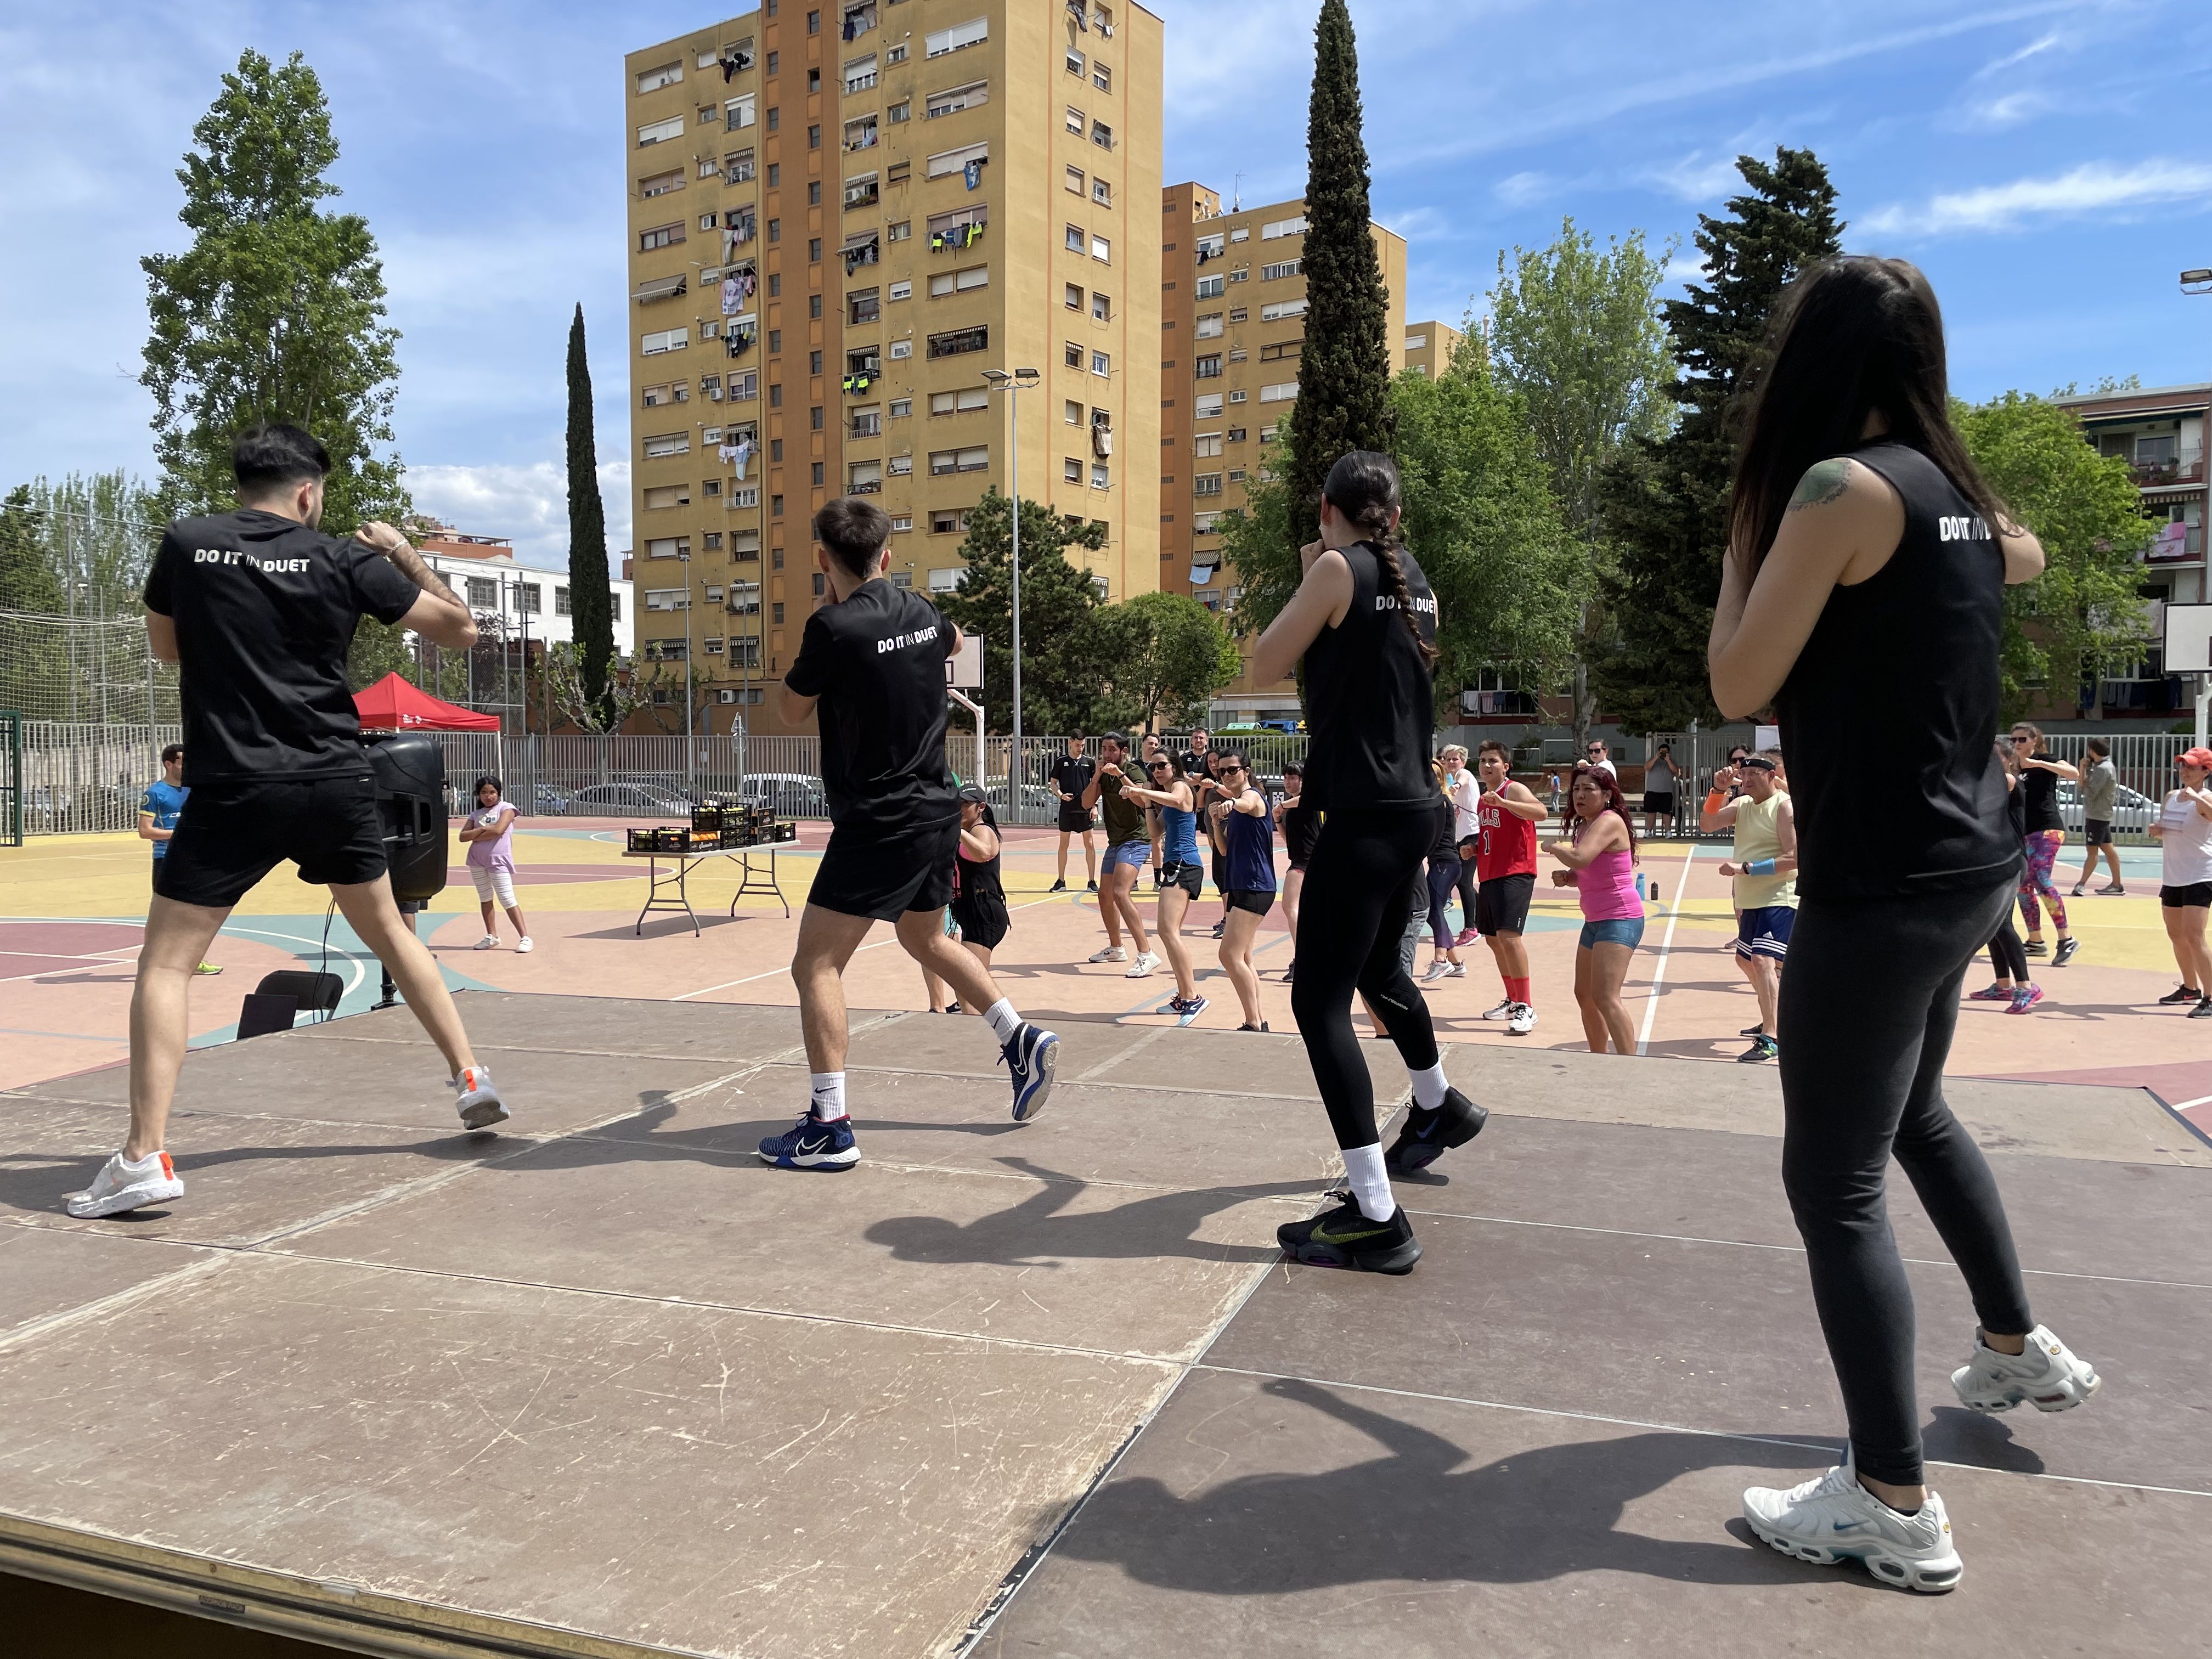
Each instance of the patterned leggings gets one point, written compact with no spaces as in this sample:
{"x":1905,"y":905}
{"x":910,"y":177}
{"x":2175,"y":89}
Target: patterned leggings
{"x":2042,"y":846}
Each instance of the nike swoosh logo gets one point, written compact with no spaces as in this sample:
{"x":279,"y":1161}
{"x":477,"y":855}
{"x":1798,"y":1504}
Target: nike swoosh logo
{"x":1851,"y":1526}
{"x":821,"y":1145}
{"x":1322,"y":1236}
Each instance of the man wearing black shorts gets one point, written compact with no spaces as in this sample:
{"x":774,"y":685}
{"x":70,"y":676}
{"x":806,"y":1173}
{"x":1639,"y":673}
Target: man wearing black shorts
{"x":258,"y":608}
{"x":871,"y":666}
{"x":1070,"y":776}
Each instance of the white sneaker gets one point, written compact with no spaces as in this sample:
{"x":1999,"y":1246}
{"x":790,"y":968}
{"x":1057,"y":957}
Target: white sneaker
{"x":122,"y":1185}
{"x":1825,"y":1520}
{"x":1143,"y":966}
{"x":2048,"y":1376}
{"x":1503,"y":1010}
{"x":1111,"y":953}
{"x":1522,"y":1020}
{"x":488,"y":942}
{"x":524,"y":945}
{"x":1455,"y":970}
{"x":1436,"y":972}
{"x":479,"y":1099}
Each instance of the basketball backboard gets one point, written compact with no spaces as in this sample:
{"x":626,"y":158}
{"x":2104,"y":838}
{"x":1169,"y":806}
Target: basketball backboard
{"x":964,"y":668}
{"x":2187,"y":639}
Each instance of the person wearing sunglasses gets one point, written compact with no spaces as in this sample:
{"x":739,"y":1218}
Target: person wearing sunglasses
{"x":1595,"y":755}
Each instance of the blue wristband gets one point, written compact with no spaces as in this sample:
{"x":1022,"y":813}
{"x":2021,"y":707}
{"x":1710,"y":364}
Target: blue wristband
{"x":1759,"y":867}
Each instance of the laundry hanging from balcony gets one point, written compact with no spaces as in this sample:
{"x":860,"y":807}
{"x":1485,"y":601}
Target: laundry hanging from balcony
{"x":739,"y":339}
{"x":733,"y":296}
{"x":734,"y":62}
{"x":864,"y":249}
{"x":960,"y":236}
{"x":1200,"y":574}
{"x":856,"y":384}
{"x":739,"y":454}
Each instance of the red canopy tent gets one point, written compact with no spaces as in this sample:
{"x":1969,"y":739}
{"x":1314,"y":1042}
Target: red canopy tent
{"x":393,"y":705}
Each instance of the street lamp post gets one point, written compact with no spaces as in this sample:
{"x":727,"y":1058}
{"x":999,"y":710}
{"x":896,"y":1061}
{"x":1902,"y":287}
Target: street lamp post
{"x":684,"y":555}
{"x":1013,"y":383}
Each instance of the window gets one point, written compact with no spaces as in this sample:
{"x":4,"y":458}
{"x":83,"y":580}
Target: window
{"x":707,"y":221}
{"x":816,"y":477}
{"x":1075,"y":180}
{"x":738,"y":113}
{"x":900,"y":291}
{"x":1071,"y":412}
{"x":1275,"y":272}
{"x":1075,"y":61}
{"x":667,"y":598}
{"x":1073,"y":296}
{"x":860,"y":74}
{"x":863,"y":306}
{"x":1072,"y":354}
{"x":660,"y":495}
{"x":895,"y":54}
{"x":955,"y":99}
{"x":774,"y":117}
{"x":899,"y":350}
{"x":1102,"y":193}
{"x":1070,"y":470}
{"x":775,"y":230}
{"x":483,"y":592}
{"x":660,"y":132}
{"x":944,"y":582}
{"x":1288,"y":351}
{"x":1102,"y":77}
{"x":659,"y":236}
{"x":952,"y":160}
{"x":1281,"y":309}
{"x":745,"y":387}
{"x":744,"y":544}
{"x":959,"y":282}
{"x":947,"y":524}
{"x":941,"y":41}
{"x":668,"y":547}
{"x":1073,"y":238}
{"x":776,"y":340}
{"x":776,"y":612}
{"x":655,"y":395}
{"x":1102,"y":476}
{"x":1102,"y":308}
{"x":1235,"y":475}
{"x":1075,"y":119}
{"x":1102,"y":364}
{"x":1206,"y":408}
{"x":1102,"y":135}
{"x":737,"y":168}
{"x":900,"y":466}
{"x":1206,"y":483}
{"x":814,"y":22}
{"x":952,"y":344}
{"x":901,"y":232}
{"x":1237,"y":313}
{"x":974,"y":459}
{"x":814,"y":415}
{"x":661,"y":183}
{"x":899,"y":407}
{"x":1209,"y":326}
{"x":1281,"y":394}
{"x":959,"y":402}
{"x":1208,"y":367}
{"x":668,"y":443}
{"x":864,"y":479}
{"x":653,"y":80}
{"x":1209,"y":288}
{"x":961,"y":227}
{"x":1208,"y":443}
{"x":1101,"y":249}
{"x":814,"y":138}
{"x":1236,"y":396}
{"x":1283,"y":227}
{"x":1236,"y":434}
{"x":860,"y":134}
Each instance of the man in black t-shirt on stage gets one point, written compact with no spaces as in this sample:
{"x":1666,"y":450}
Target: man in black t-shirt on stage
{"x":257,"y":609}
{"x":1070,"y":776}
{"x":872,"y":668}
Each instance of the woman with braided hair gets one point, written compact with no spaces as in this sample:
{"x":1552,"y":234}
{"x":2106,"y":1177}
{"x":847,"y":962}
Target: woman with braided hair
{"x":1363,"y":620}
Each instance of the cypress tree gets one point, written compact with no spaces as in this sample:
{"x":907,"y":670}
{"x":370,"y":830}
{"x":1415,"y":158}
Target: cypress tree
{"x":1343,"y":369}
{"x":1665,"y":502}
{"x":588,"y":597}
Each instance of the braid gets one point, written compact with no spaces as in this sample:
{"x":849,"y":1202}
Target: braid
{"x":1386,"y":555}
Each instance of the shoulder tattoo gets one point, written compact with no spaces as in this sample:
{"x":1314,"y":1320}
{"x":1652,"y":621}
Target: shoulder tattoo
{"x":1823,"y":482}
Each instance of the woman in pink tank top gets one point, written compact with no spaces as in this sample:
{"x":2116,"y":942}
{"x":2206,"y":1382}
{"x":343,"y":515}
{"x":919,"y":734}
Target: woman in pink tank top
{"x":1600,"y":856}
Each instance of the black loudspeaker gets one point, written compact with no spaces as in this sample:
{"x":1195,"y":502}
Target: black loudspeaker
{"x":410,"y":794}
{"x":314,"y":993}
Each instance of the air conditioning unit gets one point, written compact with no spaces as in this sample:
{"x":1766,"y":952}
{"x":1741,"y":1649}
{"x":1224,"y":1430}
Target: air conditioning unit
{"x":726,"y":696}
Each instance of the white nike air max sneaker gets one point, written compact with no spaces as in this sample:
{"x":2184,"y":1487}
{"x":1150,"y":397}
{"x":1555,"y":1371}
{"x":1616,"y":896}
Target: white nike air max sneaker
{"x":1503,"y":1010}
{"x":1825,"y":1520}
{"x":477,"y":1098}
{"x":1111,"y":953}
{"x":2048,"y":1376}
{"x":122,"y":1185}
{"x":1522,"y":1020}
{"x":1143,"y":966}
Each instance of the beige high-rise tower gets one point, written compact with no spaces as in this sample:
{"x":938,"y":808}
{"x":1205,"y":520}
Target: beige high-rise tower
{"x":841,"y":215}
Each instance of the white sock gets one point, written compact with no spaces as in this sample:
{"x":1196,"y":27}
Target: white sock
{"x":829,"y":1095}
{"x":1371,"y":1183}
{"x":1003,"y":1021}
{"x":1428,"y":1086}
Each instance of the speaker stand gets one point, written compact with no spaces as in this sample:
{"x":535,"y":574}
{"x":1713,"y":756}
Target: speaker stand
{"x":388,"y":994}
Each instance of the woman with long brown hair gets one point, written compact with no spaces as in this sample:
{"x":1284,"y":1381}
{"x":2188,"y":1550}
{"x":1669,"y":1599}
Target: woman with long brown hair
{"x":1599,"y":852}
{"x":1863,"y":596}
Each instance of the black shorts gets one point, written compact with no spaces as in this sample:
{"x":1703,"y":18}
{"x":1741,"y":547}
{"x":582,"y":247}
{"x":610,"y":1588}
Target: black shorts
{"x":1501,"y":904}
{"x":981,"y":919}
{"x":1658,"y":804}
{"x":1074,"y":816}
{"x":236,"y":831}
{"x":2197,"y":895}
{"x":885,"y":872}
{"x":2097,"y":832}
{"x":1258,"y":900}
{"x":1188,"y":877}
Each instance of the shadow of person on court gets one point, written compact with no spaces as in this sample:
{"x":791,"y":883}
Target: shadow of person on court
{"x":1037,"y":1232}
{"x":1417,"y":1514}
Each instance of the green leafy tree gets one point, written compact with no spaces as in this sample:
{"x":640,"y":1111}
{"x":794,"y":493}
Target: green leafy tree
{"x":1574,"y":334}
{"x":1062,"y":690}
{"x":2082,"y":618}
{"x":1664,"y":501}
{"x":594,"y":615}
{"x":29,"y":580}
{"x":1344,"y":368}
{"x":276,"y":311}
{"x":1165,"y":655}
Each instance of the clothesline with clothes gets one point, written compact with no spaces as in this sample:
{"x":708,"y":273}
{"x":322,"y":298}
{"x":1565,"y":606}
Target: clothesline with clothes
{"x":739,"y":454}
{"x":958,"y":236}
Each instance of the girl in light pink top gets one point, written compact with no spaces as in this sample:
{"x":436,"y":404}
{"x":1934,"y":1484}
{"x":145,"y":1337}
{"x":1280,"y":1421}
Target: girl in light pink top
{"x":489,"y":833}
{"x":1600,"y":856}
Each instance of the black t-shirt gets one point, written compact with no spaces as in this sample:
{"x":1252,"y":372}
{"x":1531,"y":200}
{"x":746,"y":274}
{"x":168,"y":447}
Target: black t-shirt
{"x":1371,"y":696}
{"x":1072,"y":774}
{"x":265,"y":610}
{"x":2038,"y":792}
{"x":877,"y":662}
{"x":1301,"y":830}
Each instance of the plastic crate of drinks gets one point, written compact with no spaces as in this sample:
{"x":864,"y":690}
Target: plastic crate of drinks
{"x":661,"y":838}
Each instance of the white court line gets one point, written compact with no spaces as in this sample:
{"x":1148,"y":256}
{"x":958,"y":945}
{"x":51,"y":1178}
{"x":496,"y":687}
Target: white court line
{"x":729,"y":984}
{"x":1666,"y":944}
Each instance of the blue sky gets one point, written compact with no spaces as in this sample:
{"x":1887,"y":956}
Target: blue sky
{"x":2045,"y":162}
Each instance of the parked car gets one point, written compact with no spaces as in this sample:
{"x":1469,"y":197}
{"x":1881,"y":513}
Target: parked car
{"x":552,"y":800}
{"x":627,"y":800}
{"x":2131,"y":811}
{"x":788,"y":794}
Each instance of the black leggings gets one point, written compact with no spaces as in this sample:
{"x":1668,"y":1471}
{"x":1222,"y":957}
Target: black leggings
{"x":1362,"y":882}
{"x":2006,"y":954}
{"x":1869,"y":1003}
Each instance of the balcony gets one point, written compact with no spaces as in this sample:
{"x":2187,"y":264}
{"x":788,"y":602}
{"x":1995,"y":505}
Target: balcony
{"x":2176,"y":544}
{"x":2187,"y":467}
{"x":864,"y":426}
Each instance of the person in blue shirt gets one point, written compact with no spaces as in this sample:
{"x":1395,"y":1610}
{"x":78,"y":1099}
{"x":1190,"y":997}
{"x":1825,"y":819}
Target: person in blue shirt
{"x":164,"y":804}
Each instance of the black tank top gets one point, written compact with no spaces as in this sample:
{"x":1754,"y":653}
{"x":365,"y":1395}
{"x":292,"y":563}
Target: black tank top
{"x":977,"y":879}
{"x":1371,"y":697}
{"x":1898,"y":683}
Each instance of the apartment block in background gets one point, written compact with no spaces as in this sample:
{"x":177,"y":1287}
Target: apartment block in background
{"x":1232,"y":320}
{"x":841,"y":215}
{"x":1429,"y":346}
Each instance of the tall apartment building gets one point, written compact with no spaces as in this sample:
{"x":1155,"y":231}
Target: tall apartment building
{"x":841,"y":215}
{"x":1232,"y":316}
{"x":1429,"y":346}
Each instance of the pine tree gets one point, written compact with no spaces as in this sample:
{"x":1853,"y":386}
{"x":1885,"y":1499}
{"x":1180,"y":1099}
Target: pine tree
{"x":275,"y":312}
{"x":1665,"y":501}
{"x":1344,"y":368}
{"x":589,"y":598}
{"x":1060,"y":678}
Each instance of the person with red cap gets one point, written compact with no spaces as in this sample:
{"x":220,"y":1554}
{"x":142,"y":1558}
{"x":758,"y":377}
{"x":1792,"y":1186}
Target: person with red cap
{"x":2183,"y":831}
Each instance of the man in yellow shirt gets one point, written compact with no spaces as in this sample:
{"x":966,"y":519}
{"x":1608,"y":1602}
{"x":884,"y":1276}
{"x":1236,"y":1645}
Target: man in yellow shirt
{"x":1765,"y":869}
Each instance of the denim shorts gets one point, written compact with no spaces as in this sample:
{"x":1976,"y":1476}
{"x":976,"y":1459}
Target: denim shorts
{"x":1134,"y":853}
{"x":1619,"y":930}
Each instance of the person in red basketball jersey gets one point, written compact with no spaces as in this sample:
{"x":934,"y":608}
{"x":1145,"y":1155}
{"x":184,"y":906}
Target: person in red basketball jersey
{"x":1505,"y":876}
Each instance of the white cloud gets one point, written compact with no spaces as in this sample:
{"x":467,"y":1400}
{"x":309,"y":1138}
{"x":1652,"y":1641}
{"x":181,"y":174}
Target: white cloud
{"x":2034,"y":49}
{"x":1696,"y":178}
{"x":1520,"y":189}
{"x":528,"y":504}
{"x":2095,"y":187}
{"x":2011,"y":109}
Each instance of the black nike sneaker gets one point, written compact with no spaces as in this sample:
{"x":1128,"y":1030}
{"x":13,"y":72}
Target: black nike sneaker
{"x":1345,"y":1237}
{"x":1430,"y":1132}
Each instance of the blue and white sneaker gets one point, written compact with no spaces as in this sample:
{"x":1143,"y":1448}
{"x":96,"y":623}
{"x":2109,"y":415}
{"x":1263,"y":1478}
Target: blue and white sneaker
{"x":1031,"y":1057}
{"x":812,"y":1143}
{"x":1186,"y":1009}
